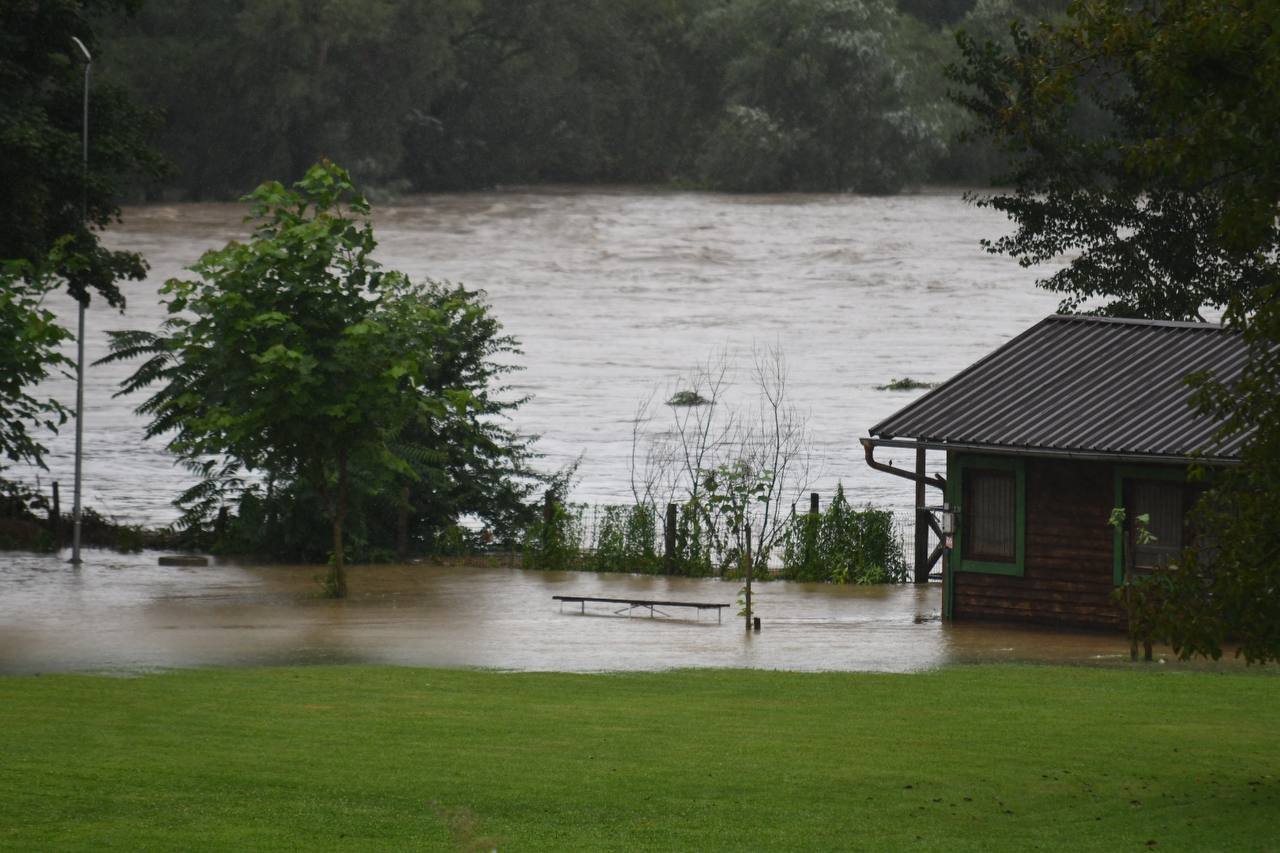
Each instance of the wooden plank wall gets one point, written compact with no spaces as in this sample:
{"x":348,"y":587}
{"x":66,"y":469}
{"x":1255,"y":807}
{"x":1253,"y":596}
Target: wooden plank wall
{"x":1068,"y":573}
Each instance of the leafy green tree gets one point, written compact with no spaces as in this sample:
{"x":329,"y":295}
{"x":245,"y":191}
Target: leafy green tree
{"x":29,"y":341}
{"x":41,"y":125}
{"x":824,"y":90}
{"x":1170,"y":213}
{"x":297,"y":357}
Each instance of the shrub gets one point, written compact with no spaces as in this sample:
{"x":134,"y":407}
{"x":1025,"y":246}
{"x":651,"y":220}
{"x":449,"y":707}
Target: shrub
{"x":844,"y":545}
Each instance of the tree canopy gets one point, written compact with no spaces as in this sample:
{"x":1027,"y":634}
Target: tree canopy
{"x":1169,"y":212}
{"x":41,"y":126}
{"x":296,"y":357}
{"x":457,"y":94}
{"x":29,"y":339}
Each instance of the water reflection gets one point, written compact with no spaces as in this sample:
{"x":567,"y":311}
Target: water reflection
{"x":126,"y":613}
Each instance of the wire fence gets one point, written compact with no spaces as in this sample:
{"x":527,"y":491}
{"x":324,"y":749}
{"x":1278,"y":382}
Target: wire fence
{"x":840,"y":543}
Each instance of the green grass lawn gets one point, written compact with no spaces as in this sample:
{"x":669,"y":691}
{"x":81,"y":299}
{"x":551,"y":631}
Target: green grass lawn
{"x":981,"y":758}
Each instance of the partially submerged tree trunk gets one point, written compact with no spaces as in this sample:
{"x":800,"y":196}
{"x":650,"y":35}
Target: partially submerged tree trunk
{"x":336,"y":583}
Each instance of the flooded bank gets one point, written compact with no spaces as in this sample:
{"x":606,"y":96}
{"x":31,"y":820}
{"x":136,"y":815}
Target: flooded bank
{"x":125,"y":613}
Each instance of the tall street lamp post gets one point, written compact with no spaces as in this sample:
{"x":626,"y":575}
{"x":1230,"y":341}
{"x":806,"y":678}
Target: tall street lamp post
{"x":84,"y":220}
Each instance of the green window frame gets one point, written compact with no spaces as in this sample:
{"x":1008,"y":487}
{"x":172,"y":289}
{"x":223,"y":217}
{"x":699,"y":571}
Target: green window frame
{"x":1121,"y":475}
{"x":958,"y":466}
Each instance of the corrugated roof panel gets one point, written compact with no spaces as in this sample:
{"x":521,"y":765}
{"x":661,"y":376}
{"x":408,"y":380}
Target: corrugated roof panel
{"x":1082,"y":384}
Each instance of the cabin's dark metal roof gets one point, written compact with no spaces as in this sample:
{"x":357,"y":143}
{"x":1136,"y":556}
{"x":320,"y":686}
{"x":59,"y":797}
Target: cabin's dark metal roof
{"x":1087,"y":385}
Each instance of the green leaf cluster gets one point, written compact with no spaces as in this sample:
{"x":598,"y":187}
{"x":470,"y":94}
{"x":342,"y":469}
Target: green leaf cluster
{"x":295,"y":357}
{"x":844,"y":545}
{"x":48,"y":195}
{"x":29,"y":352}
{"x":453,"y":94}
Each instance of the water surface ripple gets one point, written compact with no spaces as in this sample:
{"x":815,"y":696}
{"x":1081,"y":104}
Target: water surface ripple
{"x":614,"y":293}
{"x":125,"y":613}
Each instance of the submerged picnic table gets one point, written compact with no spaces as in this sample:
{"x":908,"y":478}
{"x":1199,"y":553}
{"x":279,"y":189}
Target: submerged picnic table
{"x":630,"y":604}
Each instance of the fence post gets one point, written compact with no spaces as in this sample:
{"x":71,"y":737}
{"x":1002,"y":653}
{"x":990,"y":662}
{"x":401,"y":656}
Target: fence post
{"x":549,"y":502}
{"x":55,"y":517}
{"x":813,"y":503}
{"x":669,"y":540}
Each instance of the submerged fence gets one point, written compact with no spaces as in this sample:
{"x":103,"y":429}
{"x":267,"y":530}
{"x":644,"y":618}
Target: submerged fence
{"x":841,"y":544}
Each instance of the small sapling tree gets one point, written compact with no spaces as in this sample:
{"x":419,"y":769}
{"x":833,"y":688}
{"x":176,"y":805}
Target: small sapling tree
{"x":732,"y":468}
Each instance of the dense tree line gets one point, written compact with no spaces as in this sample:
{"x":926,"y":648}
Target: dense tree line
{"x":456,"y":94}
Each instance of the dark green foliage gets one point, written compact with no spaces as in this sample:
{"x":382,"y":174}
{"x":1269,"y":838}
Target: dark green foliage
{"x":1169,"y":213}
{"x":457,"y":94}
{"x":619,"y":538}
{"x":295,"y":357}
{"x":937,"y":13}
{"x":844,"y":545}
{"x":41,"y":126}
{"x":21,"y":528}
{"x":814,"y":97}
{"x":29,"y":341}
{"x":49,"y":204}
{"x":556,"y":542}
{"x":693,"y":544}
{"x":905,"y":384}
{"x":688,"y":398}
{"x":626,"y":540}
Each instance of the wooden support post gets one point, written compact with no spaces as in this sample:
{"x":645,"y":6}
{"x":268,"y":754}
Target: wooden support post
{"x":948,"y":582}
{"x":548,"y":519}
{"x":813,"y":503}
{"x":922,"y":523}
{"x":669,"y":541}
{"x":747,"y":598}
{"x":402,"y":525}
{"x":548,"y":507}
{"x":55,"y":517}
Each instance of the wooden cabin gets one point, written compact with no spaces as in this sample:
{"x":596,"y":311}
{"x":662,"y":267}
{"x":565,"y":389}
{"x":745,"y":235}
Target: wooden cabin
{"x":1043,"y":438}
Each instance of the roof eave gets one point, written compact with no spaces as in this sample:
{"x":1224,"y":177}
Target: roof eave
{"x":1057,"y":453}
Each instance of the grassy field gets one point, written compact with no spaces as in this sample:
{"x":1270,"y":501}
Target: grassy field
{"x":983,"y":758}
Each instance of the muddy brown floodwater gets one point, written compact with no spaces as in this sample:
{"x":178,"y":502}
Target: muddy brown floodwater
{"x":124,"y":613}
{"x":615,"y":294}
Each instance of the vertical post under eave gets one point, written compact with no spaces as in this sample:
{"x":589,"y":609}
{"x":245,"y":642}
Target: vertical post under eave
{"x":922,"y":524}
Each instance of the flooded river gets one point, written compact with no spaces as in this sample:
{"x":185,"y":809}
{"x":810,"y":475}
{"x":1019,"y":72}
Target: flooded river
{"x":614,"y":294}
{"x":124,"y":613}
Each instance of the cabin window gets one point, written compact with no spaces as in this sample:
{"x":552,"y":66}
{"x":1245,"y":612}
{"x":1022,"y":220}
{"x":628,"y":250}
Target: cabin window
{"x":990,"y":515}
{"x":991,"y":493}
{"x":1164,"y":503}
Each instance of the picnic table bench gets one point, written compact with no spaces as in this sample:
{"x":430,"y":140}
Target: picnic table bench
{"x":630,"y":604}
